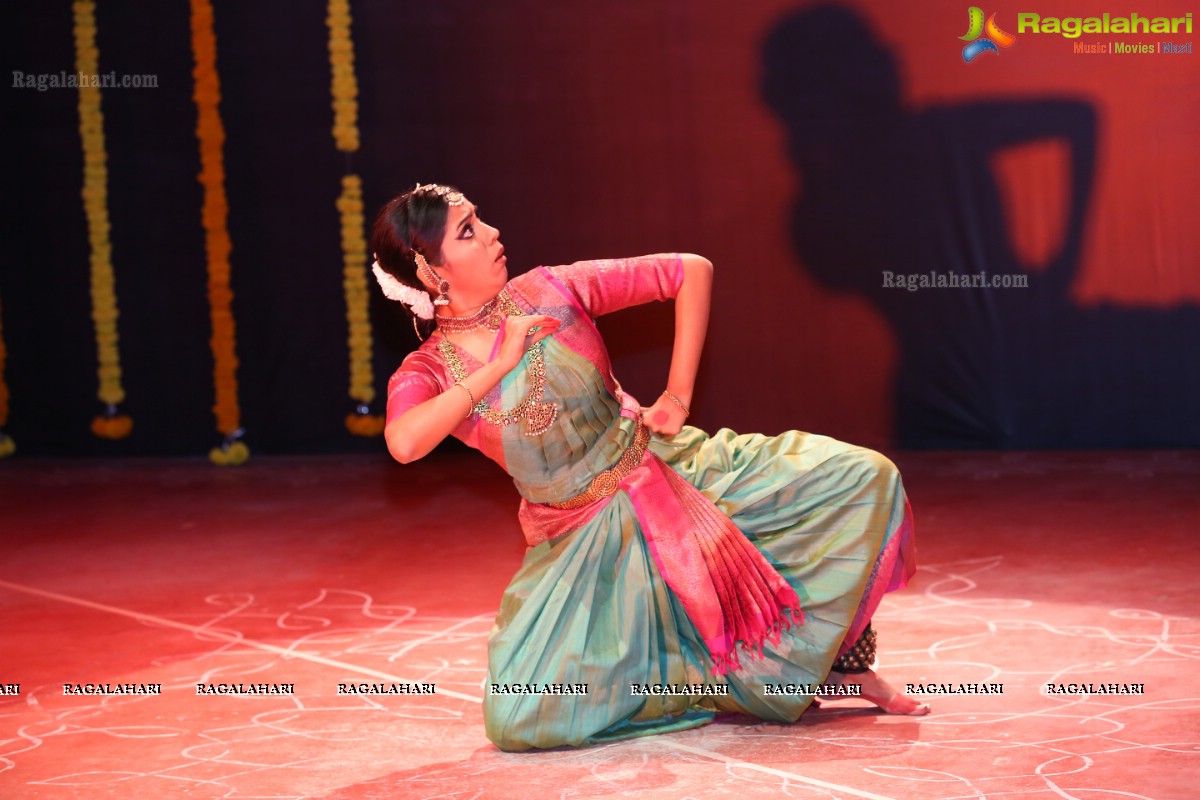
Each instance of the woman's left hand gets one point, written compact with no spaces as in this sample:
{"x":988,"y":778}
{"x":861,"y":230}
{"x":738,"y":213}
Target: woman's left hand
{"x":664,"y":417}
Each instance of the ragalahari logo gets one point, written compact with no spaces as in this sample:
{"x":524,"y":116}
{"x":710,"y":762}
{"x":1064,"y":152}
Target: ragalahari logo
{"x":982,"y":44}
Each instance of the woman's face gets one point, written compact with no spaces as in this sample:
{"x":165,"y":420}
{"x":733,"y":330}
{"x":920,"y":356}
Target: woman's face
{"x":473,"y":259}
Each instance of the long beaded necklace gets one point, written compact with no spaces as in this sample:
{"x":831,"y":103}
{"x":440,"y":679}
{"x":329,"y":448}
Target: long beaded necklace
{"x":538,"y":415}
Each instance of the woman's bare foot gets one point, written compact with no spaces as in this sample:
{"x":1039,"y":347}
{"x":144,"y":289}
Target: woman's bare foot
{"x":882,"y":694}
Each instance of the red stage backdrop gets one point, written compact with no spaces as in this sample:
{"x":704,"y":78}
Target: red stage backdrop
{"x":837,"y":162}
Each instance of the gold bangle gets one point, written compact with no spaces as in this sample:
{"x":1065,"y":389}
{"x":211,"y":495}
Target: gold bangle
{"x":678,"y":402}
{"x":463,"y":386}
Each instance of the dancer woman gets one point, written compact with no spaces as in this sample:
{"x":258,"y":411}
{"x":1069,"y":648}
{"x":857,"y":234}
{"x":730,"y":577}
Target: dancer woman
{"x":664,"y":563}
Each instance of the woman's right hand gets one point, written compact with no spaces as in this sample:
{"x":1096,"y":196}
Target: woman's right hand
{"x":517,"y":335}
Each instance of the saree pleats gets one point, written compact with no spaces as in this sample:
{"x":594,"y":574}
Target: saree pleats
{"x":591,"y":607}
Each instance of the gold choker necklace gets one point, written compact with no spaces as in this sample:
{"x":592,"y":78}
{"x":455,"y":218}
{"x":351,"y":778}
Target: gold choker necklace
{"x":489,"y":316}
{"x":472,"y":322}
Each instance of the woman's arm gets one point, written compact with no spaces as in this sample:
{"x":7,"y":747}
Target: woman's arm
{"x":691,"y":325}
{"x":413,"y":434}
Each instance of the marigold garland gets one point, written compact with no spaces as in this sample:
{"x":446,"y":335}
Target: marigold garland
{"x":111,"y":424}
{"x":354,"y":284}
{"x":210,"y":132}
{"x":7,"y":445}
{"x":344,"y":88}
{"x":345,"y":83}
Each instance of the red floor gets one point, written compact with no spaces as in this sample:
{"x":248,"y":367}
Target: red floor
{"x":1034,"y":568}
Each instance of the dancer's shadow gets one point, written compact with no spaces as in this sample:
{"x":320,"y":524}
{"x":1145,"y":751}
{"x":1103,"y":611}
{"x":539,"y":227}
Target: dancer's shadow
{"x":890,"y":189}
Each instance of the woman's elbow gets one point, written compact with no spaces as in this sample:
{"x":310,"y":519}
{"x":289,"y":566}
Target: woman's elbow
{"x":401,"y":446}
{"x":401,"y":454}
{"x":695,"y":262}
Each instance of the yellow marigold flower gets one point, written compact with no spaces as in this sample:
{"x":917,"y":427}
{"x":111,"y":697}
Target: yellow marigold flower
{"x":231,"y":455}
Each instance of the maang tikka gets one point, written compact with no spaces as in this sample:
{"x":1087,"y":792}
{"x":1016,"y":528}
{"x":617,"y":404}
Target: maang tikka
{"x":452,"y":197}
{"x":426,"y":273}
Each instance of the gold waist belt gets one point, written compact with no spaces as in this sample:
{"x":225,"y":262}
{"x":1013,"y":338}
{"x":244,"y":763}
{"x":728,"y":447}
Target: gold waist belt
{"x":606,"y":483}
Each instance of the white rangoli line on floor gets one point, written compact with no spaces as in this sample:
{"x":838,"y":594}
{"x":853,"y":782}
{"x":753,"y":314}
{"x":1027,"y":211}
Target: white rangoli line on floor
{"x":735,"y":762}
{"x":214,"y":633}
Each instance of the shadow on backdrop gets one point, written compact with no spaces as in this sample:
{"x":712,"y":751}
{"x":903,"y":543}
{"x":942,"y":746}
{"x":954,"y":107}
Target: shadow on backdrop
{"x":891,"y":189}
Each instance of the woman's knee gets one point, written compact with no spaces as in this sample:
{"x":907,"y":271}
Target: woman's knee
{"x":875,"y":467}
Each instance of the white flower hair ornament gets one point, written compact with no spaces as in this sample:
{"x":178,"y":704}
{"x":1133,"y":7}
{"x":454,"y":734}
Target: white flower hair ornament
{"x":416,"y":299}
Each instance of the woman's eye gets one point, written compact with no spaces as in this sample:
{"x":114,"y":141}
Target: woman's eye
{"x":468,"y":232}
